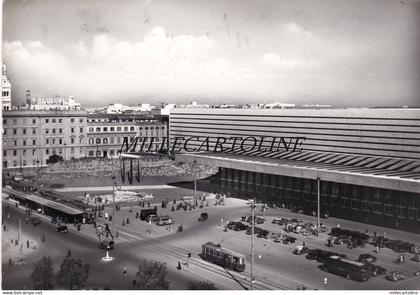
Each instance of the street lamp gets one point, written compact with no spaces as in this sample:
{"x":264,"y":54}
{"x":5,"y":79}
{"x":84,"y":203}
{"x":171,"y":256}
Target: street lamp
{"x":252,"y":242}
{"x":114,"y":186}
{"x":195,"y":183}
{"x":319,"y":202}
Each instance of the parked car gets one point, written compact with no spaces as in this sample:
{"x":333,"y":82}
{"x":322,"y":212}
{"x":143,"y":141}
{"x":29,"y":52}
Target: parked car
{"x":35,"y":221}
{"x":300,"y":250}
{"x":403,"y":247}
{"x":340,"y":239}
{"x":395,"y":276}
{"x":376,"y":270}
{"x":312,"y":254}
{"x":325,"y":254}
{"x":62,"y":229}
{"x":288,"y":240}
{"x":203,"y":216}
{"x":152,"y":218}
{"x":367,"y":258}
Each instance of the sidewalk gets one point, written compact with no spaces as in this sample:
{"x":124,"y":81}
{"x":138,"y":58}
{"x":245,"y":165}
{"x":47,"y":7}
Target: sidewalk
{"x":109,"y":188}
{"x":12,"y":249}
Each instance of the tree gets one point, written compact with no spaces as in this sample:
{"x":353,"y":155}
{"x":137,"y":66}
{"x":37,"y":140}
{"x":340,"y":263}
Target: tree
{"x":54,"y":159}
{"x":151,"y":275}
{"x":201,"y":285}
{"x":73,"y":274}
{"x":42,"y":275}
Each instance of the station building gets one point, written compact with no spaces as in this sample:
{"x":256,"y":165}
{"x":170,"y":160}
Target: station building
{"x":364,"y":161}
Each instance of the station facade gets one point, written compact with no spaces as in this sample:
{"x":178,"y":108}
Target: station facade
{"x":364,"y":162}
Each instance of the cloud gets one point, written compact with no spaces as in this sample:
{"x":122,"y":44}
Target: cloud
{"x":113,"y":68}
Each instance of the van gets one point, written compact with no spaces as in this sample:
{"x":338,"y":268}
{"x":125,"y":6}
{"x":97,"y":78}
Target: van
{"x":144,"y":213}
{"x":164,"y":220}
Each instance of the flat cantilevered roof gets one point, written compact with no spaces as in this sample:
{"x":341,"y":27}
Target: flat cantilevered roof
{"x":51,"y":204}
{"x":381,"y":172}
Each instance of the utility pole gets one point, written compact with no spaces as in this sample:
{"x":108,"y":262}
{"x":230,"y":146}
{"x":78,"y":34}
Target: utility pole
{"x":252,"y":242}
{"x":195,"y":183}
{"x":319,"y":202}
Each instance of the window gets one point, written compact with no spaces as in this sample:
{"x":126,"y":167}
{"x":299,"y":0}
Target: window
{"x":4,"y":131}
{"x":15,"y":163}
{"x":24,"y":162}
{"x":47,"y":131}
{"x":91,"y":153}
{"x":60,"y":130}
{"x":24,"y":130}
{"x":81,"y":120}
{"x":91,"y":141}
{"x":33,"y":131}
{"x":125,"y":128}
{"x":140,"y":128}
{"x":24,"y":152}
{"x":72,"y":150}
{"x":81,"y":139}
{"x":53,"y":120}
{"x":60,"y":141}
{"x":132,"y":128}
{"x":4,"y":153}
{"x":98,"y":140}
{"x":14,"y":121}
{"x":81,"y":130}
{"x":24,"y":121}
{"x":46,"y":121}
{"x":53,"y":141}
{"x":15,"y":142}
{"x":60,"y":151}
{"x":111,"y":140}
{"x":33,"y":121}
{"x":72,"y":120}
{"x":389,"y":209}
{"x":24,"y":142}
{"x":118,"y":128}
{"x":53,"y":131}
{"x":105,"y":140}
{"x":33,"y":142}
{"x":60,"y":120}
{"x":111,"y":128}
{"x":72,"y":140}
{"x":33,"y":152}
{"x":47,"y":151}
{"x":90,"y":129}
{"x":53,"y":151}
{"x":14,"y":131}
{"x":4,"y":122}
{"x":98,"y":129}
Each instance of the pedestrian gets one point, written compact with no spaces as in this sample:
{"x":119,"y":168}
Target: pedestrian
{"x":128,"y":221}
{"x":123,"y":222}
{"x":137,"y":214}
{"x":79,"y":226}
{"x":125,"y":270}
{"x":27,"y":244}
{"x":4,"y":227}
{"x":134,"y":283}
{"x":303,"y":244}
{"x":69,"y":253}
{"x":374,"y":234}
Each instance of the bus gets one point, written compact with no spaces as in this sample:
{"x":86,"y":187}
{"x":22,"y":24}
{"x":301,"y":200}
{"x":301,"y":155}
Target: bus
{"x":223,"y":257}
{"x":347,"y":268}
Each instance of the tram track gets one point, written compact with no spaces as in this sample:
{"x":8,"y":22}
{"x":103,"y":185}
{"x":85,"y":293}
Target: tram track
{"x":168,"y":249}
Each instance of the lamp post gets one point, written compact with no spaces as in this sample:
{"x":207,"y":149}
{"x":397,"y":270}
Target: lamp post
{"x":114,"y":186}
{"x":252,"y":242}
{"x":319,"y":202}
{"x":195,"y":183}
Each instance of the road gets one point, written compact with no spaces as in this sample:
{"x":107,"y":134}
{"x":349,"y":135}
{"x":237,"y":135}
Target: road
{"x":101,"y":273}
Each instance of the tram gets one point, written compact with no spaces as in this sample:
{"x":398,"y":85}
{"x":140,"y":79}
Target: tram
{"x":223,"y":257}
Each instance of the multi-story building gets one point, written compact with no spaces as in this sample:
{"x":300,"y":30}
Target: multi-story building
{"x":52,"y":103}
{"x":6,"y":91}
{"x":106,"y":132}
{"x":31,"y":137}
{"x":364,"y":164}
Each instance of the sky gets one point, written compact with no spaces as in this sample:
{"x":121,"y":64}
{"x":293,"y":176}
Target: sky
{"x":337,"y":52}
